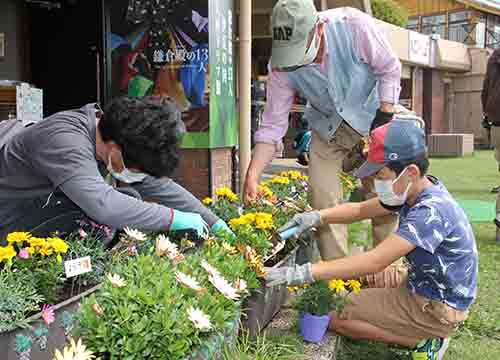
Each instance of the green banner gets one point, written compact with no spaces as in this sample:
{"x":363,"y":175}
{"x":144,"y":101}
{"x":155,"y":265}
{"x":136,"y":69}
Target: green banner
{"x":223,"y":114}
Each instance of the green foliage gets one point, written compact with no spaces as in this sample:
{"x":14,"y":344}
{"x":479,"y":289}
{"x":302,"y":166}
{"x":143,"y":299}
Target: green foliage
{"x":265,"y":347}
{"x":47,"y":275}
{"x":148,"y":317}
{"x":18,"y":299}
{"x":390,"y":11}
{"x":92,"y":246}
{"x":317,"y":299}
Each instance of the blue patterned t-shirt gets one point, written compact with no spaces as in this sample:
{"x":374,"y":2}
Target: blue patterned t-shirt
{"x":444,"y":264}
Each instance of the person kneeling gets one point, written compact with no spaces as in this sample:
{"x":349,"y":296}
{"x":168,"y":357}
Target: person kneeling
{"x":418,"y":306}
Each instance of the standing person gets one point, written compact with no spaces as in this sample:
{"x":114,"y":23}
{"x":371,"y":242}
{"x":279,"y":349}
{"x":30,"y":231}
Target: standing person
{"x":342,"y":64}
{"x":490,"y":97}
{"x":421,"y":307}
{"x":50,"y":172}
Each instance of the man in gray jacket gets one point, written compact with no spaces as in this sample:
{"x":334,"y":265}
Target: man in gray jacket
{"x":51,"y":172}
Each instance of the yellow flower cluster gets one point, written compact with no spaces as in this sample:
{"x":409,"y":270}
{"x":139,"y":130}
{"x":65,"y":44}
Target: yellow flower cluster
{"x":279,"y":180}
{"x":261,"y":221}
{"x":208,"y":201}
{"x":265,"y":191}
{"x":226,"y":193}
{"x":294,"y":289}
{"x":341,"y":285}
{"x":18,"y":237}
{"x":294,"y":175}
{"x":7,"y":253}
{"x":36,"y":245}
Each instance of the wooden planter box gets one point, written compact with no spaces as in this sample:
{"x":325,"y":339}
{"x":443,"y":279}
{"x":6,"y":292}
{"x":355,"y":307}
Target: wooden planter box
{"x":56,"y":338}
{"x":261,"y":307}
{"x":451,"y":145}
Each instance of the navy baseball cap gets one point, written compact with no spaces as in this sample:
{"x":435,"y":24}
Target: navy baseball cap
{"x":397,"y":141}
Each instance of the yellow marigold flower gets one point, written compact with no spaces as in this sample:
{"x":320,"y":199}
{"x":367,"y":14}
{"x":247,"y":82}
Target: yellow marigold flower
{"x":235,"y":223}
{"x":280,"y":180}
{"x":31,"y":251}
{"x":7,"y":253}
{"x":46,"y":250}
{"x":304,"y":178}
{"x":264,"y":183}
{"x":225,"y":192}
{"x":263,"y":221}
{"x":37,"y":242}
{"x":265,"y":191}
{"x":208,"y":201}
{"x":292,"y":174}
{"x":337,"y":285}
{"x":58,"y":245}
{"x":18,"y":237}
{"x":354,"y":285}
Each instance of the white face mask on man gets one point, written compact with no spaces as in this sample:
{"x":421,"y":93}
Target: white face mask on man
{"x":386,"y":194}
{"x":125,"y":175}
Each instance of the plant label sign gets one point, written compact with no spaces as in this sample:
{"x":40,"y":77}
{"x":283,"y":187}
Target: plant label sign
{"x":77,"y":267}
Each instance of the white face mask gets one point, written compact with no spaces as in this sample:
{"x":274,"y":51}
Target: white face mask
{"x":386,"y":194}
{"x":126,"y":175}
{"x":313,"y":50}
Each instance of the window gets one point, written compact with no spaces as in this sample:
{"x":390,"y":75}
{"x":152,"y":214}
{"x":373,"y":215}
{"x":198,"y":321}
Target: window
{"x":434,"y":24}
{"x":459,"y":27}
{"x":413,"y":24}
{"x":493,"y":31}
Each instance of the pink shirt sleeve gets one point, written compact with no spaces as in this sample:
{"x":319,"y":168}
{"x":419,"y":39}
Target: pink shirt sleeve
{"x":280,"y":98}
{"x":374,"y":49}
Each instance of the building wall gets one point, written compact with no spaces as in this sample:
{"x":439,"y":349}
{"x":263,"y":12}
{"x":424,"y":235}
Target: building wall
{"x":13,"y":65}
{"x":423,"y":7}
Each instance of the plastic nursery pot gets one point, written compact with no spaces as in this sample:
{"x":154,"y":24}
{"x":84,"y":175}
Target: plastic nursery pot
{"x":313,"y":328}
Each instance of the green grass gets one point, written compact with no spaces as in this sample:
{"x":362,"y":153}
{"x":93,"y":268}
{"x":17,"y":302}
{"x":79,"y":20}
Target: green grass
{"x":467,"y":178}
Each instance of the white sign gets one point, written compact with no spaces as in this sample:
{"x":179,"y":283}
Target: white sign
{"x":77,"y":266}
{"x":420,"y":48}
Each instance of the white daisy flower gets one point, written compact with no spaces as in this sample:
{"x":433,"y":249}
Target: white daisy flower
{"x":224,"y":287}
{"x":200,"y":320}
{"x":117,"y":281}
{"x":188,"y":281}
{"x":209,"y":268}
{"x":165,"y":247}
{"x":135,"y":234}
{"x":241,"y":285}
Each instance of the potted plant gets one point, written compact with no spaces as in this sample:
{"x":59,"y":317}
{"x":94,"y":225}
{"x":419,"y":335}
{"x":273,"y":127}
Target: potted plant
{"x":314,"y":305}
{"x":316,"y":302}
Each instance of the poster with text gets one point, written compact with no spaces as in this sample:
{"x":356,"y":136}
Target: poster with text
{"x":161,"y":48}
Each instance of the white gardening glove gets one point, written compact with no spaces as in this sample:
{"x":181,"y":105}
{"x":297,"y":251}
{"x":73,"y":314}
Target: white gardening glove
{"x":290,"y":276}
{"x":303,"y":222}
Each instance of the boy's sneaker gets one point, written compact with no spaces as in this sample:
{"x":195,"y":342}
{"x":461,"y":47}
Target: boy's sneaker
{"x":432,"y":349}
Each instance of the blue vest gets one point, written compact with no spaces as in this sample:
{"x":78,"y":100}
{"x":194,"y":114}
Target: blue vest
{"x":348,"y":92}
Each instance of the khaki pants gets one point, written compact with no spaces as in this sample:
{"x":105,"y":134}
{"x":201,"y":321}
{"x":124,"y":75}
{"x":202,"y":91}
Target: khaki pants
{"x":387,"y":303}
{"x":325,"y":163}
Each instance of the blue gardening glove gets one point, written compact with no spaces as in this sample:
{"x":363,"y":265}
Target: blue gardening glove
{"x":221,"y":226}
{"x":186,"y":220}
{"x":289,"y":276}
{"x":303,"y":222}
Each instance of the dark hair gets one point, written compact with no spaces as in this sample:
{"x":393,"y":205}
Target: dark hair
{"x":398,"y":167}
{"x":148,"y":131}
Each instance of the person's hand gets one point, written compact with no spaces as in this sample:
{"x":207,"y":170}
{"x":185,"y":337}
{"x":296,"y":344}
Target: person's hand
{"x":251,"y":190}
{"x":221,"y":227}
{"x":303,"y":222}
{"x":186,"y":220}
{"x":289,"y":276}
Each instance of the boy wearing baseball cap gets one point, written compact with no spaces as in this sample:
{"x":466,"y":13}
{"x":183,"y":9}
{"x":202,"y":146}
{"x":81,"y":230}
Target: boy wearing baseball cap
{"x":419,"y":310}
